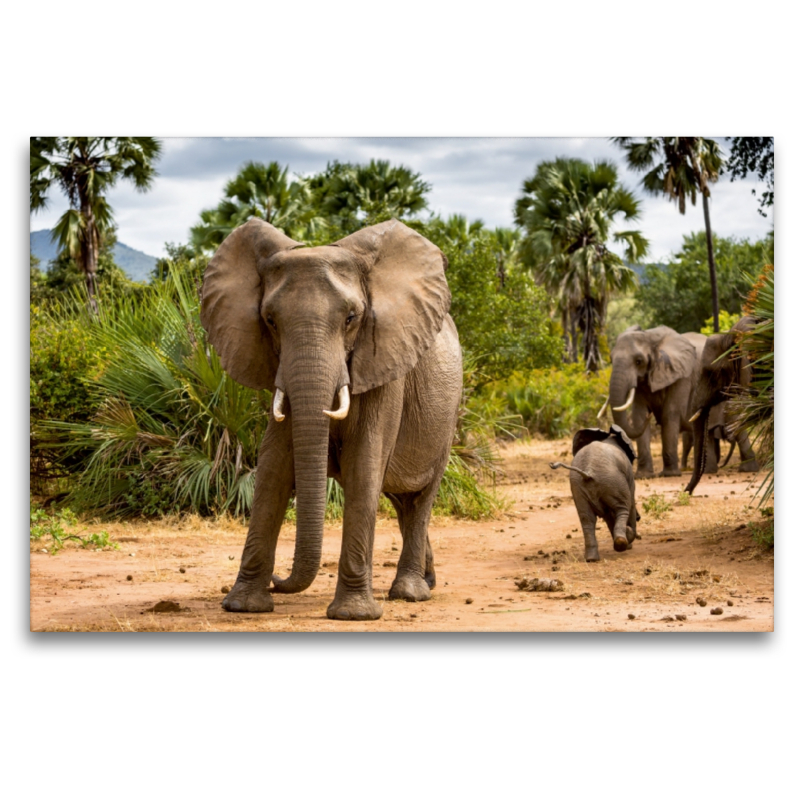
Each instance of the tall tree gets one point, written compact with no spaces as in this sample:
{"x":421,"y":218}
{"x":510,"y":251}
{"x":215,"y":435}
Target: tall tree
{"x":85,"y":168}
{"x":263,"y":191}
{"x":754,"y":154}
{"x":680,"y":167}
{"x":567,"y":211}
{"x":356,"y":195}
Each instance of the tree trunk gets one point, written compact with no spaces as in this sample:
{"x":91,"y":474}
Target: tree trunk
{"x":712,"y":267}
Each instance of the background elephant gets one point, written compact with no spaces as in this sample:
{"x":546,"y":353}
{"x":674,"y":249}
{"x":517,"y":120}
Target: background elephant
{"x":602,"y":485}
{"x":367,"y":317}
{"x":719,"y":375}
{"x":652,"y":372}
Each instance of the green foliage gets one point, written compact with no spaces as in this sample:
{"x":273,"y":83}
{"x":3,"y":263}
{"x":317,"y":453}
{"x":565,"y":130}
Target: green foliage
{"x":567,"y":211}
{"x":683,"y":499}
{"x":52,"y":527}
{"x":754,"y":410}
{"x":678,"y":293}
{"x":726,"y":322}
{"x":754,"y":154}
{"x":503,"y":328}
{"x":555,"y":402}
{"x":656,"y":506}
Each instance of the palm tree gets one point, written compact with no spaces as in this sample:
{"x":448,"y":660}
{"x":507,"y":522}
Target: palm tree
{"x":86,"y":167}
{"x":506,"y":244}
{"x":365,"y":194}
{"x":263,"y":191}
{"x":566,"y":211}
{"x":680,"y":166}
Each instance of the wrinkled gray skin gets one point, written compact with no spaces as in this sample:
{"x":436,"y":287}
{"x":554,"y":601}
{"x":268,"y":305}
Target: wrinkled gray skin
{"x":662,"y":366}
{"x":369,"y":312}
{"x":602,"y":485}
{"x":719,"y":376}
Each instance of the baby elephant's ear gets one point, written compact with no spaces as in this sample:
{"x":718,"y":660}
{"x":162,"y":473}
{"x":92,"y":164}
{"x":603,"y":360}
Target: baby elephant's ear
{"x":408,"y":301}
{"x":623,"y":441}
{"x":586,"y":436}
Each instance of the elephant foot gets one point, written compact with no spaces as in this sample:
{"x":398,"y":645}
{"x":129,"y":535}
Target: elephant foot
{"x":591,"y":554}
{"x":631,"y":534}
{"x":708,"y":471}
{"x":354,"y":607}
{"x":409,"y":586}
{"x":248,"y":597}
{"x":430,"y":578}
{"x":621,"y":544}
{"x":669,"y":473}
{"x":749,"y":466}
{"x":644,"y":474}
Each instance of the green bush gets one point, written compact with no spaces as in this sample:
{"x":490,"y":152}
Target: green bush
{"x":556,"y":402}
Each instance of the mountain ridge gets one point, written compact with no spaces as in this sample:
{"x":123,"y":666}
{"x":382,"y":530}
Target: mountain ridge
{"x":134,"y":263}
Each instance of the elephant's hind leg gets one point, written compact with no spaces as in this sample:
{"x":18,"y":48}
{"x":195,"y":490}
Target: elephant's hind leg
{"x":589,"y":523}
{"x":415,"y":572}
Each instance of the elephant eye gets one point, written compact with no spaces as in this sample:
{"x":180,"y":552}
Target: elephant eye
{"x":271,"y":322}
{"x":350,"y":317}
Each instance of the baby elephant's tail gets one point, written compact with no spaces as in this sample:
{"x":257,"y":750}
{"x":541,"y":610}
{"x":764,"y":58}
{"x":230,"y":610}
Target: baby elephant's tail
{"x":557,"y":464}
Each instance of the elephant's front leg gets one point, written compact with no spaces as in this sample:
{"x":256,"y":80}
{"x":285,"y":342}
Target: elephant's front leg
{"x":670,"y":428}
{"x":363,"y":465}
{"x":644,"y":461}
{"x":274,"y":483}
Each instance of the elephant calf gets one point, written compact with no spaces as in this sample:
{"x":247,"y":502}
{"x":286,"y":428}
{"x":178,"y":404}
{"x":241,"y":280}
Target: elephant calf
{"x":602,"y":484}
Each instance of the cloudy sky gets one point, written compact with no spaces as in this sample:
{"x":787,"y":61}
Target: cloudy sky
{"x":479,"y":177}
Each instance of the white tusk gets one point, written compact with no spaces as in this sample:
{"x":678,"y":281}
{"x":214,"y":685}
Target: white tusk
{"x":277,"y":406}
{"x":344,"y":405}
{"x":628,"y":401}
{"x":603,"y":409}
{"x":696,"y":415}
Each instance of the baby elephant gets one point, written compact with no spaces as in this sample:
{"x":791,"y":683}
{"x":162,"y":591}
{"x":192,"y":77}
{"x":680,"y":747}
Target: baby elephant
{"x":602,"y":485}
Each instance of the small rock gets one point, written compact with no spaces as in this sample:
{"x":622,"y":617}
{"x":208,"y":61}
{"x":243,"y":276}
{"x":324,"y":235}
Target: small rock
{"x":225,"y":589}
{"x":680,"y":617}
{"x":541,"y":552}
{"x":165,"y":606}
{"x":469,"y":601}
{"x":569,"y":536}
{"x":668,"y":619}
{"x":182,"y":570}
{"x":389,"y":563}
{"x":631,"y":616}
{"x":129,"y":578}
{"x":716,"y":611}
{"x":413,"y":616}
{"x":556,"y":568}
{"x":230,"y":558}
{"x":702,"y":602}
{"x":131,"y":554}
{"x":730,"y":602}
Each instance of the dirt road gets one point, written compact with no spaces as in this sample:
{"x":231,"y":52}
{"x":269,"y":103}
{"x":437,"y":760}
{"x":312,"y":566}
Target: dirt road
{"x":701,"y":550}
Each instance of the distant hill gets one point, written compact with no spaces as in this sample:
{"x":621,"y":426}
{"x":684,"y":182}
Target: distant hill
{"x":134,"y":263}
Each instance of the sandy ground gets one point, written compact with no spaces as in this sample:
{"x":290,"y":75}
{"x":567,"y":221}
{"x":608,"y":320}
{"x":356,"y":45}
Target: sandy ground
{"x":701,"y":550}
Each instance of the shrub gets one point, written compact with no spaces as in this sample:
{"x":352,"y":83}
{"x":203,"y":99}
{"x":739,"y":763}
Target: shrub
{"x":556,"y":402}
{"x":656,"y":506}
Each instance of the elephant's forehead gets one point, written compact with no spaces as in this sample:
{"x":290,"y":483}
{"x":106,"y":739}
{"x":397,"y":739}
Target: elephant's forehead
{"x":307,"y":261}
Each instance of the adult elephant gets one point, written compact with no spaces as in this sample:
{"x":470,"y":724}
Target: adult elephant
{"x":721,"y":374}
{"x":652,"y":372}
{"x":365,"y":317}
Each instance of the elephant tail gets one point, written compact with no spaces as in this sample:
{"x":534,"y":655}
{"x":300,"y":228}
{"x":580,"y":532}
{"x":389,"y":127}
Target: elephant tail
{"x":584,"y":475}
{"x":730,"y":453}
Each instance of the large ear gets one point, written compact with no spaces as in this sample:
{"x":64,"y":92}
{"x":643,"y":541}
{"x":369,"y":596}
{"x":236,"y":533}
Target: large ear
{"x":586,"y":436}
{"x":673,"y":357}
{"x":231,"y":304}
{"x":408,"y":301}
{"x":623,"y":441}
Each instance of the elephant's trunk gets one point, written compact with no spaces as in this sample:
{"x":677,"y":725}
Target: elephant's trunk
{"x":700,"y":433}
{"x":619,"y":392}
{"x":309,"y":394}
